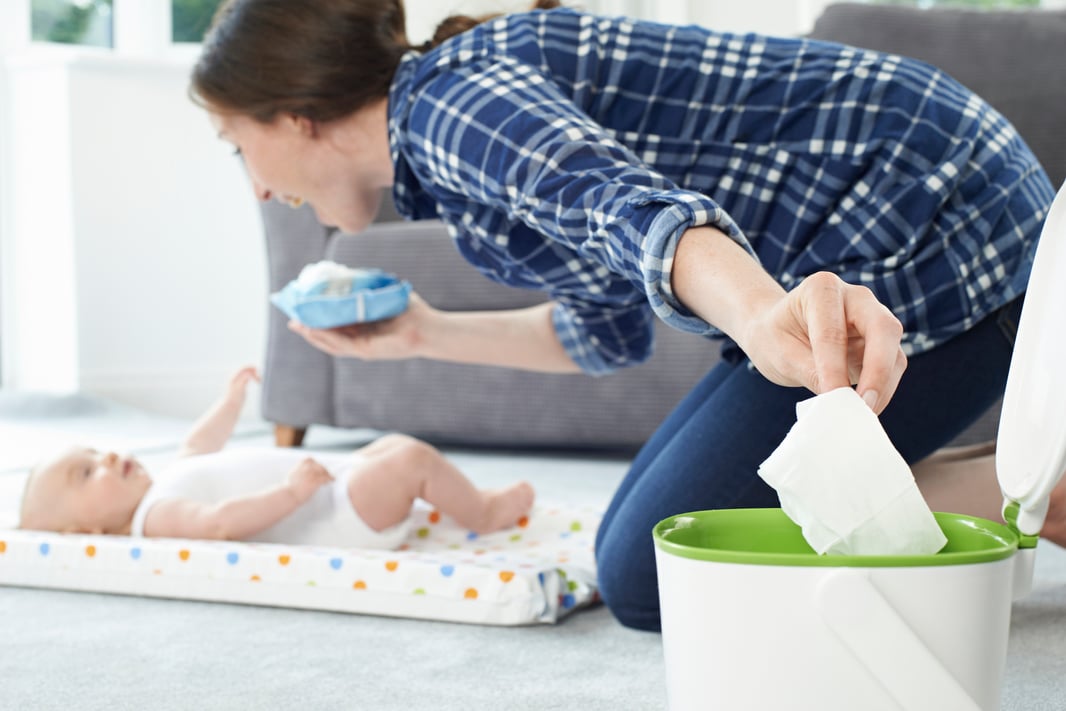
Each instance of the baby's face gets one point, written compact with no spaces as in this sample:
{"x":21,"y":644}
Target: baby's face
{"x":86,"y":491}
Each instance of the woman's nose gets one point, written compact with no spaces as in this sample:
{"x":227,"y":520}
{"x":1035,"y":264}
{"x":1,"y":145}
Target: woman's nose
{"x":110,"y":458}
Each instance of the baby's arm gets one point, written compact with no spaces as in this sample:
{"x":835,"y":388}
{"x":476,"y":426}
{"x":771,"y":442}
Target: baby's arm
{"x":239,"y":518}
{"x":215,"y":426}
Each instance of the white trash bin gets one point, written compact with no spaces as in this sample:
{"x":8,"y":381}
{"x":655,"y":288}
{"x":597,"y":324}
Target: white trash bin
{"x":754,"y":620}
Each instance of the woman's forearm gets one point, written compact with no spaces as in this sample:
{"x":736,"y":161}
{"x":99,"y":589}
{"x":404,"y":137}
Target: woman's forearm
{"x":721,"y":283}
{"x":514,"y":338}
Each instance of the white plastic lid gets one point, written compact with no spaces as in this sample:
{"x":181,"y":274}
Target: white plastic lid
{"x":1031,"y":445}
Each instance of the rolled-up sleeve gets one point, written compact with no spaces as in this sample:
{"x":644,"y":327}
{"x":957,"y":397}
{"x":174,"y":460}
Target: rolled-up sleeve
{"x":600,"y":340}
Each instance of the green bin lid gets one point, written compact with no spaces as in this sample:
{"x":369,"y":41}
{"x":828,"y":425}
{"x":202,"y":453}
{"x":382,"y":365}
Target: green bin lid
{"x":770,"y":537}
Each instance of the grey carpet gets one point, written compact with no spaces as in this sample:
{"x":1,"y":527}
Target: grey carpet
{"x":63,"y":650}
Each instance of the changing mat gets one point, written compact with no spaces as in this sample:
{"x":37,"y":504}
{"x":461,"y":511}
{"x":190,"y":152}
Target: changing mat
{"x":535,"y":573}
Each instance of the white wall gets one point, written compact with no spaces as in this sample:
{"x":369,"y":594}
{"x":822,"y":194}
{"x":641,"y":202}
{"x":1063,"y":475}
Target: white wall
{"x":131,"y":255}
{"x":136,"y":267}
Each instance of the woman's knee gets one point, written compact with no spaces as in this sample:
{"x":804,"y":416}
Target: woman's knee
{"x":628,"y":586}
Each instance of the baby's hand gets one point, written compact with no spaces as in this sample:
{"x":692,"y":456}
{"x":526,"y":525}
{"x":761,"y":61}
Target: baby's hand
{"x":307,"y":478}
{"x":238,"y":384}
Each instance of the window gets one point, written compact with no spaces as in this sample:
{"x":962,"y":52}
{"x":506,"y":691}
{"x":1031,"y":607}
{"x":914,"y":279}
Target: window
{"x":86,"y":22}
{"x":191,"y":18}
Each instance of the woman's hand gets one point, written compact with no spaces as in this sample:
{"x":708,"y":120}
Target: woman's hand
{"x":826,"y":334}
{"x":391,"y":339}
{"x":822,"y":335}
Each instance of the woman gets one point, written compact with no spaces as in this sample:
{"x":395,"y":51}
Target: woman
{"x":830,"y":212}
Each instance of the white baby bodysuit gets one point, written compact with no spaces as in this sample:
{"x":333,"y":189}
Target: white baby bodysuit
{"x":326,"y":519}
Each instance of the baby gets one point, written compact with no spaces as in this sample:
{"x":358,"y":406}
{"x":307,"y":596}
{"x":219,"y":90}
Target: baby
{"x":357,"y":500}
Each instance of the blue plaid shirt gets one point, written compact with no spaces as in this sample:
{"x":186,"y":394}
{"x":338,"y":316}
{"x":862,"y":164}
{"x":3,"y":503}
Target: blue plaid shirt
{"x":568,"y":153}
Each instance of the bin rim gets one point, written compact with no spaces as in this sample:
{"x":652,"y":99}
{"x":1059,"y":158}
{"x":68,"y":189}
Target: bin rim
{"x":971,"y":540}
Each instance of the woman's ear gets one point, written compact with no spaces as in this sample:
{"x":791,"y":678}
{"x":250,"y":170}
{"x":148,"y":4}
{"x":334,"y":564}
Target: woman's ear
{"x":305,"y":126}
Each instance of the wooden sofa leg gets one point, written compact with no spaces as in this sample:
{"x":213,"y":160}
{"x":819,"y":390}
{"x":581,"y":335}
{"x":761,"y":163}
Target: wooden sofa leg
{"x":287,"y":436}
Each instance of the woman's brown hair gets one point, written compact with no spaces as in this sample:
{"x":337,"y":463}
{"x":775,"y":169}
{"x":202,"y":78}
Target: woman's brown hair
{"x":320,"y":59}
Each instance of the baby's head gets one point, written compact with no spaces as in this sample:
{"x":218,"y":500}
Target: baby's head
{"x":83,"y":491}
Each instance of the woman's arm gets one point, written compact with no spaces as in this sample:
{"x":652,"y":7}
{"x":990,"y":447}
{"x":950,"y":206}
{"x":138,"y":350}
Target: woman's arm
{"x":821,"y":335}
{"x":515,"y":338}
{"x":238,"y":518}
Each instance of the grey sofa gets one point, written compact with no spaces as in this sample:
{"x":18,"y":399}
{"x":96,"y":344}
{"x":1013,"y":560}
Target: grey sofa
{"x":1010,"y":58}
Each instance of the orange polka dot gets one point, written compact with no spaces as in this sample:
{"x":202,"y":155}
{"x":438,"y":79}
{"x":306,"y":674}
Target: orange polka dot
{"x":183,"y":554}
{"x":391,"y":565}
{"x":157,"y":572}
{"x":523,"y":522}
{"x":434,"y":516}
{"x":255,"y":578}
{"x":470,"y":594}
{"x":3,"y":547}
{"x":506,"y":576}
{"x":90,"y":551}
{"x":359,"y":585}
{"x":284,"y":559}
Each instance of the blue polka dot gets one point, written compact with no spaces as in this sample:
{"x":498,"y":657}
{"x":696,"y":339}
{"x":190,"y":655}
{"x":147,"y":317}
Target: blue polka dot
{"x":447,"y":570}
{"x":336,"y":563}
{"x":232,"y":558}
{"x":567,"y":601}
{"x":44,"y":548}
{"x":472,"y":536}
{"x":135,"y":553}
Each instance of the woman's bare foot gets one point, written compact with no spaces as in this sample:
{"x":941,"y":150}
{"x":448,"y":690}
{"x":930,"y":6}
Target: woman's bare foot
{"x":506,"y":506}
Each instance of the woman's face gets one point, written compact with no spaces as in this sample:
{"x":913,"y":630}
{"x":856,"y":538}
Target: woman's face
{"x":294,"y":161}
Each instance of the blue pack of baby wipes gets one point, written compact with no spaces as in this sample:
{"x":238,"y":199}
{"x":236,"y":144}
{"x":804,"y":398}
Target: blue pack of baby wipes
{"x":328,"y":295}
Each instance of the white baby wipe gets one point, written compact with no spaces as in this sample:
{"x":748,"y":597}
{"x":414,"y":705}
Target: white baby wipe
{"x":326,"y":277}
{"x":839,"y":477}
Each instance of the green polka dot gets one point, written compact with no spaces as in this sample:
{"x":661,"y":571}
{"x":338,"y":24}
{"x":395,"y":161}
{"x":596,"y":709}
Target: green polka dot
{"x":575,"y":526}
{"x":516,"y":537}
{"x":423,"y":533}
{"x":311,"y":583}
{"x":454,"y":546}
{"x":419,"y":591}
{"x":571,"y":586}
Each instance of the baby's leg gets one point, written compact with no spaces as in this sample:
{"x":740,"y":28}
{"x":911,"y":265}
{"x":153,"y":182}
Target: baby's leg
{"x":395,"y":470}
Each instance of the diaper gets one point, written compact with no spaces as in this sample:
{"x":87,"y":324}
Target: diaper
{"x":328,"y":295}
{"x":329,"y":519}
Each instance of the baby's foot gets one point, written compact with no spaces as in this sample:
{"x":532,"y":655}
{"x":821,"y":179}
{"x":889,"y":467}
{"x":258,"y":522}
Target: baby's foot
{"x":507,"y":506}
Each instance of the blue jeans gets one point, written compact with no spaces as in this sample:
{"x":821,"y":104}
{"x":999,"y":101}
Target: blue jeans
{"x":706,"y":453}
